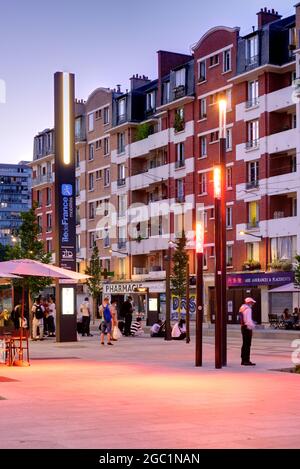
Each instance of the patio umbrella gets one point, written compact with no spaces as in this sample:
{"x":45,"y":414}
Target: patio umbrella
{"x":30,"y":267}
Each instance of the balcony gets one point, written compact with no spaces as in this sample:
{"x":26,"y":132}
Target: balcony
{"x":144,"y":146}
{"x":149,"y":176}
{"x":153,"y":273}
{"x":42,"y":179}
{"x":121,"y":182}
{"x":282,"y":141}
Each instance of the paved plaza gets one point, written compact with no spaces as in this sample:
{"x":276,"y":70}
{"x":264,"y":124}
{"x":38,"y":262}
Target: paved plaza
{"x":146,"y":393}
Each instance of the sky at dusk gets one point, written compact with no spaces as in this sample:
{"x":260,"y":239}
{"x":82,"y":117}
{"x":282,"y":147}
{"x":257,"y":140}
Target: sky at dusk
{"x":102,"y":42}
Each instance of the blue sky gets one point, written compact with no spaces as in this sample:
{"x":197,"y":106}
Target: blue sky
{"x":102,"y":42}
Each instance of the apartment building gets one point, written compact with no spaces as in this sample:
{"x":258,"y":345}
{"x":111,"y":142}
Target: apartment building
{"x":145,"y":159}
{"x":15,"y":198}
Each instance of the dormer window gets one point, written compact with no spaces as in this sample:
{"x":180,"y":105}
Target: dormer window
{"x":121,"y":110}
{"x":150,"y":101}
{"x":292,"y":41}
{"x":180,"y":77}
{"x":252,"y":50}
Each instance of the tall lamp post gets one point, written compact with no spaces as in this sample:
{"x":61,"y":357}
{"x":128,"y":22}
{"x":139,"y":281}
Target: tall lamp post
{"x":168,"y":335}
{"x":220,"y":244}
{"x":199,"y":291}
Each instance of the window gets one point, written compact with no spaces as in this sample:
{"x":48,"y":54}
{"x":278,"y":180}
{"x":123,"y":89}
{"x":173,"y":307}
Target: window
{"x":253,"y":93}
{"x":229,"y":178}
{"x":212,"y":251}
{"x":202,"y":183}
{"x":106,"y":115}
{"x":122,"y":268}
{"x":77,"y":186}
{"x":49,"y":222}
{"x":292,"y":41}
{"x":180,"y":77}
{"x":92,"y":238}
{"x":167,"y":91}
{"x":252,"y":50}
{"x":38,"y":198}
{"x":106,"y":146}
{"x":150,"y":101}
{"x":121,"y":110}
{"x":284,"y":248}
{"x":212,"y":214}
{"x":205,"y":257}
{"x":253,"y":252}
{"x":77,"y":159}
{"x":106,"y":177}
{"x":48,"y":196}
{"x":229,"y":256}
{"x":202,"y":70}
{"x":202,"y":108}
{"x":106,"y":238}
{"x":91,"y":152}
{"x":78,"y":243}
{"x":228,"y":217}
{"x":205,"y":221}
{"x":203,"y":147}
{"x":214,"y":60}
{"x":252,"y":174}
{"x":98,"y":144}
{"x":121,"y":142}
{"x":91,"y":181}
{"x":214,"y":137}
{"x":180,"y":190}
{"x":91,"y":210}
{"x":91,"y":122}
{"x":121,"y":175}
{"x":180,"y":113}
{"x":77,"y":215}
{"x":122,"y":234}
{"x":228,"y":100}
{"x":121,"y":205}
{"x":294,"y":163}
{"x":49,"y":245}
{"x":98,"y":174}
{"x":179,"y":155}
{"x":227,"y":60}
{"x":228,"y":139}
{"x":294,"y":206}
{"x":294,"y":121}
{"x":253,"y":134}
{"x":98,"y":114}
{"x":253,"y":214}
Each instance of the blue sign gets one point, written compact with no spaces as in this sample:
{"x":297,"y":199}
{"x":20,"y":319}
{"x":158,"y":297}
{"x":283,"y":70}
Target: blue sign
{"x":67,"y":190}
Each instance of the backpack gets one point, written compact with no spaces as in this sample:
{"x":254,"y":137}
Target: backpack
{"x":39,"y":313}
{"x":107,"y":314}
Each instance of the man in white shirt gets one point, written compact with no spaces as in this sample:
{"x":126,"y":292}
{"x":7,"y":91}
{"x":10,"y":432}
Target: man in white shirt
{"x":85,"y":310}
{"x":247,"y":326}
{"x":38,"y":312}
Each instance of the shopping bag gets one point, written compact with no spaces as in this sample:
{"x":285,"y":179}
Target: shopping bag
{"x":116,"y":333}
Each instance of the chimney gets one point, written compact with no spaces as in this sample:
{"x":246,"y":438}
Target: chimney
{"x":136,"y":81}
{"x":118,"y":88}
{"x":265,"y":16}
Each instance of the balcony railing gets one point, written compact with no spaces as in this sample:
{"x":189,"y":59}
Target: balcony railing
{"x":252,"y":184}
{"x":252,"y":102}
{"x":155,"y":268}
{"x":252,"y":62}
{"x":121,"y":182}
{"x":122,"y":244}
{"x":42,"y":179}
{"x":121,"y":118}
{"x":179,"y":91}
{"x":179,"y":164}
{"x":140,"y":271}
{"x":252,"y":144}
{"x":252,"y":225}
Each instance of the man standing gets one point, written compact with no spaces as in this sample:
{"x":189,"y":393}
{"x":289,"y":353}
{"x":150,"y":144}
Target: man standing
{"x":38,"y":312}
{"x":51,"y":317}
{"x":106,"y":324}
{"x":247,"y":326}
{"x":126,"y":312}
{"x":85,"y":310}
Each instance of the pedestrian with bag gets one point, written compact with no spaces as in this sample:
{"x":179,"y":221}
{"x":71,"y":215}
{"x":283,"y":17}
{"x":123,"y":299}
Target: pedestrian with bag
{"x":116,"y":333}
{"x":106,"y":324}
{"x":38,"y":312}
{"x":247,"y":326}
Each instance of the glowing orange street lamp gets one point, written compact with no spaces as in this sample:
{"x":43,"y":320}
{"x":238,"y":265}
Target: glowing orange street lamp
{"x":199,"y":291}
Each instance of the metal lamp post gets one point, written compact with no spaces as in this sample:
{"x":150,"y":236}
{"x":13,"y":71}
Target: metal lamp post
{"x":168,"y":335}
{"x":220,"y":244}
{"x":199,"y":291}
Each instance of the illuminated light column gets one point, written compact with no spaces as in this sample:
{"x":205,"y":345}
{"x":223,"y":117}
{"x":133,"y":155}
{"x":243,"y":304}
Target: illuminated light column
{"x":199,"y":291}
{"x":65,"y":203}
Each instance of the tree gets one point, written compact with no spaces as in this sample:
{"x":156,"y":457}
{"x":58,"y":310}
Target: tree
{"x":297,"y":271}
{"x":28,"y":246}
{"x":179,"y":276}
{"x":4,"y":252}
{"x":94,"y":283}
